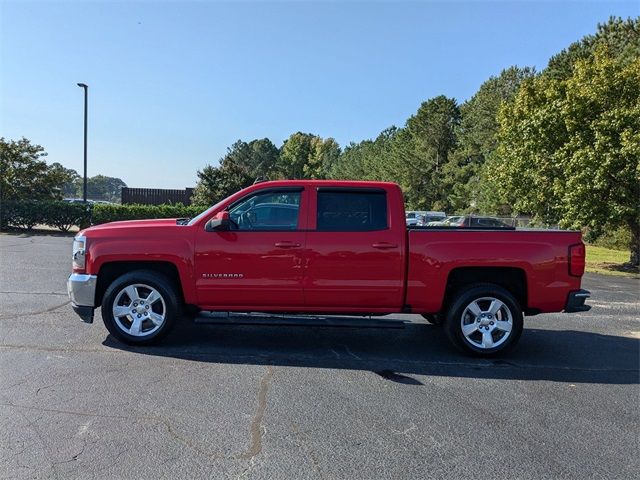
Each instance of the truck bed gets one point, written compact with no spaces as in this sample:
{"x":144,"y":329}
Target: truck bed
{"x":541,"y":256}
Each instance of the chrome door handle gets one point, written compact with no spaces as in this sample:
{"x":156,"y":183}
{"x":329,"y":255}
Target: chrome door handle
{"x":287,"y":244}
{"x":384,"y":245}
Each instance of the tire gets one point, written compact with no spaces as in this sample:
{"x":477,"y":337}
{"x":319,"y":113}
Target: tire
{"x":140,"y":307}
{"x":484,"y":320}
{"x":433,"y":319}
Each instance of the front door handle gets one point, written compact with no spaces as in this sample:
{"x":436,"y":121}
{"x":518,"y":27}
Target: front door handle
{"x":384,"y":245}
{"x":287,"y":244}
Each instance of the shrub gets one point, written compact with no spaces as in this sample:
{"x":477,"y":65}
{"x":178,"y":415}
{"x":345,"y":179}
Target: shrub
{"x":64,"y":215}
{"x":23,"y":214}
{"x":616,"y":239}
{"x":104,"y":213}
{"x":26,"y":214}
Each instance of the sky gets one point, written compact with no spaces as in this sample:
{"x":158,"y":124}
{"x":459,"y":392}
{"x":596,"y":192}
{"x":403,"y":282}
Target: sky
{"x":173,"y":84}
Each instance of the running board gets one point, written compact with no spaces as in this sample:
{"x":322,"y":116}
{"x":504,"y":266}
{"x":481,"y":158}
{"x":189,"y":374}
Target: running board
{"x":234,"y":318}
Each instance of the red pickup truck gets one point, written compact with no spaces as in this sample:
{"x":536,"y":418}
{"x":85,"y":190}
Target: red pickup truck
{"x":324,"y":247}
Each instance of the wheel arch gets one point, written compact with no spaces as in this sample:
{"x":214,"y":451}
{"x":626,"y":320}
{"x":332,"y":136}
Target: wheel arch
{"x":110,"y":271}
{"x":512,"y":279}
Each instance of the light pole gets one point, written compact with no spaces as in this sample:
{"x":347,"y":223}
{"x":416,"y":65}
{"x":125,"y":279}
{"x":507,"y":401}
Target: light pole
{"x":86,"y":97}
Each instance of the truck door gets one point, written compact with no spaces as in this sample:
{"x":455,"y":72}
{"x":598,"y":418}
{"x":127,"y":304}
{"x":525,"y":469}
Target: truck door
{"x":355,"y":254}
{"x":259,"y":262}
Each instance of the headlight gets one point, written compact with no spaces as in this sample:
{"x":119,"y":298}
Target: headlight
{"x":79,"y":253}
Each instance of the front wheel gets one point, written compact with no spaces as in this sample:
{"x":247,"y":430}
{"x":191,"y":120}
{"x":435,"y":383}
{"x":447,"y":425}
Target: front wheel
{"x":484,"y":320}
{"x":140,"y":307}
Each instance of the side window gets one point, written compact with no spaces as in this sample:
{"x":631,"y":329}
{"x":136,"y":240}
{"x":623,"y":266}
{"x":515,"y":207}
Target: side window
{"x":267,"y":211}
{"x":352,"y":211}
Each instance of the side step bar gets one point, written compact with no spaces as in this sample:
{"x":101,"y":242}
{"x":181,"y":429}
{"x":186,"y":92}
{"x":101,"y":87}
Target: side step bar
{"x":235,"y":318}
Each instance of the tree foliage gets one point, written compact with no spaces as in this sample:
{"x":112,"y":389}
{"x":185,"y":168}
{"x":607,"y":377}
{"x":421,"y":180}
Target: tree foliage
{"x":414,"y":156}
{"x":70,"y":179}
{"x":304,"y":155}
{"x":102,"y":187}
{"x":569,"y":148}
{"x":477,"y":142}
{"x":240,"y":167}
{"x":24,"y":174}
{"x":620,"y":37}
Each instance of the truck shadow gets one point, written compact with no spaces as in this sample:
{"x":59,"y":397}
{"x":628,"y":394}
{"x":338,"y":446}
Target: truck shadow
{"x":399,"y":354}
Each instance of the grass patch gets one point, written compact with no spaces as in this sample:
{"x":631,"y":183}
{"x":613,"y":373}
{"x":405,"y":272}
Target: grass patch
{"x":609,"y":262}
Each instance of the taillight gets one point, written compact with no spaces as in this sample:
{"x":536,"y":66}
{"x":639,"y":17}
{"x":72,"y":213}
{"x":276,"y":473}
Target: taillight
{"x":576,"y":260}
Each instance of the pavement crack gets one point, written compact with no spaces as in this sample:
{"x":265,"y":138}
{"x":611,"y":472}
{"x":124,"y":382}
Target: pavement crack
{"x":37,"y":293}
{"x":256,"y":429}
{"x":44,"y":388}
{"x":37,"y":312}
{"x":45,"y":446}
{"x":74,"y":457}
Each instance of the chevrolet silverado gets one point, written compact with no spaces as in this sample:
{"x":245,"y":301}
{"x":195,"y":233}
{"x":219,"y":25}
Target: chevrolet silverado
{"x":326,"y":248}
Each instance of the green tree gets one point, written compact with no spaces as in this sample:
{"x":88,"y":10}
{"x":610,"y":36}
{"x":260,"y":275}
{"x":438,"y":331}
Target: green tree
{"x":569,"y":148}
{"x":422,"y":149}
{"x":240,"y":167}
{"x":367,"y":160}
{"x":24,"y":174}
{"x":304,"y":155}
{"x":323,"y":155}
{"x":262,"y":158}
{"x":463,"y":176}
{"x":102,"y":187}
{"x":620,"y":37}
{"x":295,"y":154}
{"x":71,"y":180}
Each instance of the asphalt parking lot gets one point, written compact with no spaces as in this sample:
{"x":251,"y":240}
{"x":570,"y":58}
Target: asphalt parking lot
{"x":264,"y":401}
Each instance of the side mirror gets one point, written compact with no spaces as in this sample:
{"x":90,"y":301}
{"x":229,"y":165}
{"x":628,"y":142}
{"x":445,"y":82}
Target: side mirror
{"x":220,"y":222}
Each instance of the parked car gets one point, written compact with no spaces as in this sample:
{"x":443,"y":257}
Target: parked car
{"x":477,"y":221}
{"x":445,"y":221}
{"x":429,"y":217}
{"x":323,"y":247}
{"x":412,"y":217}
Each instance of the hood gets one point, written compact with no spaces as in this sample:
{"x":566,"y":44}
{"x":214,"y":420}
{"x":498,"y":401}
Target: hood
{"x":129,"y":224}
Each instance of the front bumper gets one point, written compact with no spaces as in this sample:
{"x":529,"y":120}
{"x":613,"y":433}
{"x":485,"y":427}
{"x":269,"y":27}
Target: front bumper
{"x":82,"y":293}
{"x":575,"y":301}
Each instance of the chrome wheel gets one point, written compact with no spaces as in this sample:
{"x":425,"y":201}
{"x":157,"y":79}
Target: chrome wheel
{"x":486,"y":323}
{"x":139,"y":310}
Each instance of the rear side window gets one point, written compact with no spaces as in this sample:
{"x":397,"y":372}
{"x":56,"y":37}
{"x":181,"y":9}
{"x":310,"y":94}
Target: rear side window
{"x":352,"y":211}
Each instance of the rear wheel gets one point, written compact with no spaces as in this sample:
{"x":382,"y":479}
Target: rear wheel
{"x":140,"y":307}
{"x":484,"y":320}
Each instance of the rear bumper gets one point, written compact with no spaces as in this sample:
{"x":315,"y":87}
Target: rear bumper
{"x":82,"y":293}
{"x":576,"y":301}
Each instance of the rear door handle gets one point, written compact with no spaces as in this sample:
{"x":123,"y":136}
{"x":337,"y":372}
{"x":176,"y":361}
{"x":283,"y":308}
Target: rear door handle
{"x":384,"y":245}
{"x":287,"y":244}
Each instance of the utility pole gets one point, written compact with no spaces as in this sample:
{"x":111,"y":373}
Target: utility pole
{"x":86,"y":98}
